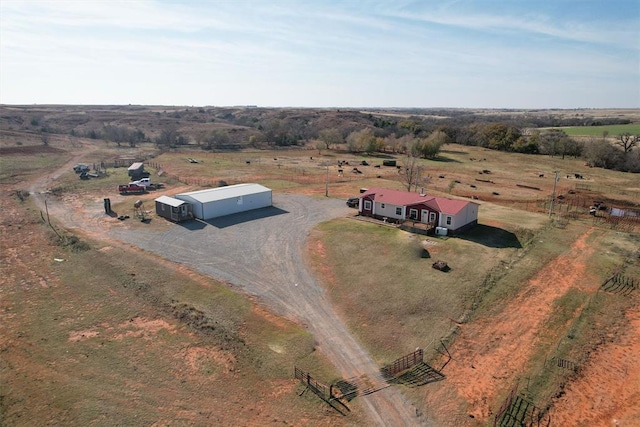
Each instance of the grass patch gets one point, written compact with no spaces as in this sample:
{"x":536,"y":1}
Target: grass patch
{"x":16,"y":168}
{"x":390,"y":291}
{"x":111,"y":335}
{"x":612,"y":130}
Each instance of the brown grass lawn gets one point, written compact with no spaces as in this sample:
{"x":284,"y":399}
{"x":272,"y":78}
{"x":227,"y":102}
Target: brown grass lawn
{"x":110,"y":335}
{"x":96,"y":333}
{"x":394,"y":301}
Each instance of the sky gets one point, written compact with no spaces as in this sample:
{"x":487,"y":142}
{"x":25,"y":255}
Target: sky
{"x":528,"y":54}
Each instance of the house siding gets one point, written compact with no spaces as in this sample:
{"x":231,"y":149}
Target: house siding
{"x":463,"y":220}
{"x":421,"y":216}
{"x":389,"y":211}
{"x":384,"y":203}
{"x":173,"y":213}
{"x":363,"y":204}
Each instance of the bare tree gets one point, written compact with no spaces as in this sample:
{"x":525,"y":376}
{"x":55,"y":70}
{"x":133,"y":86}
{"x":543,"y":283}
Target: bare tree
{"x":217,"y":139}
{"x":168,"y":137}
{"x":412,"y":171}
{"x":201,"y":137}
{"x":628,"y":141}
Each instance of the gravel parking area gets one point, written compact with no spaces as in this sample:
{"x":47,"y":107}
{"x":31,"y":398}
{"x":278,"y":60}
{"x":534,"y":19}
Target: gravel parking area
{"x":260,"y":252}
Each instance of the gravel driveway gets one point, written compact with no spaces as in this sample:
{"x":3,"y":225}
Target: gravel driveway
{"x":260,"y":252}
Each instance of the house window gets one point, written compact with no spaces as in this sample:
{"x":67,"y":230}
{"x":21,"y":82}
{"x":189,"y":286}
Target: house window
{"x":432,"y":216}
{"x":413,"y":213}
{"x":398,"y":211}
{"x":367,"y":205}
{"x":449,"y":219}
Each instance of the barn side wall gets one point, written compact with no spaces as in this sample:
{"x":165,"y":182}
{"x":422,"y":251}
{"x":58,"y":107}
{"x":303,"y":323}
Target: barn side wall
{"x":163,"y":210}
{"x":236,"y":204}
{"x":197,"y":207}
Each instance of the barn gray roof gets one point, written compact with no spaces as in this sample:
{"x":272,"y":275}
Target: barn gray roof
{"x":135,"y":166}
{"x":170,"y":201}
{"x":222,"y":193}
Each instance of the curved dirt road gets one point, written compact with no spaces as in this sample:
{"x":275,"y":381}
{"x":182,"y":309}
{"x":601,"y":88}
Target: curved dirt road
{"x":260,"y":252}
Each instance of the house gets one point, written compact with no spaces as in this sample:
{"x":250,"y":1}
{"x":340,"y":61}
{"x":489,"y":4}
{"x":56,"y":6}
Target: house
{"x":173,"y":209}
{"x":221,"y":201}
{"x":398,"y":206}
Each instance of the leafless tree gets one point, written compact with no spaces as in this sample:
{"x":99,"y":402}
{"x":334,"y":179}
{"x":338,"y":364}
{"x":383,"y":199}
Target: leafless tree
{"x":168,"y":137}
{"x":628,"y":141}
{"x":412,"y":171}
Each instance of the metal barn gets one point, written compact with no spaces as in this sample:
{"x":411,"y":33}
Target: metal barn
{"x":173,"y":209}
{"x":221,"y":201}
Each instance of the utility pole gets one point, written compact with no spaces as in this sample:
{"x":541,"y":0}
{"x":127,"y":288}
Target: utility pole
{"x":553,"y":195}
{"x":326,"y":184}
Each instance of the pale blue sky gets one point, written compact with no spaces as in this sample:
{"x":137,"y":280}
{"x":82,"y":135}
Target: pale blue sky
{"x":457,"y":53}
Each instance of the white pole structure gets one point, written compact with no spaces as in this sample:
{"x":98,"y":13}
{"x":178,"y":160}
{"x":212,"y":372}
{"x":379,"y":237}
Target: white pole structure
{"x":553,"y":195}
{"x":326,"y":184}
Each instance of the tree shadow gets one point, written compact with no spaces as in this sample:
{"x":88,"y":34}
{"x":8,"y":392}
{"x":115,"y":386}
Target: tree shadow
{"x":441,"y":159}
{"x":382,"y":156}
{"x":464,"y":153}
{"x":492,"y":237}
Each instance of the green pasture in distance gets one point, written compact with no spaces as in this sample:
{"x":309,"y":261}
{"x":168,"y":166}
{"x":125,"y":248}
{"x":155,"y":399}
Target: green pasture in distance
{"x":613,"y":130}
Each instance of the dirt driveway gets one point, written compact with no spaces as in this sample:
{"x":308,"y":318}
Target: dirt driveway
{"x":260,"y":253}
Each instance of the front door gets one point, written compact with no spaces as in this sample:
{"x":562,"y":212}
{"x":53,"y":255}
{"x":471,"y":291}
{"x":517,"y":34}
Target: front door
{"x":432,"y":217}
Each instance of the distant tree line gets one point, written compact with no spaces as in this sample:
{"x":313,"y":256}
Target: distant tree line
{"x":623,"y":156}
{"x":118,"y":134}
{"x":413,"y":132}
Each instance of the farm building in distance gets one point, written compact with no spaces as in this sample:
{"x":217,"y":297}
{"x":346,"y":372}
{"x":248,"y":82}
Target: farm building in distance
{"x":442,"y":213}
{"x":173,"y":209}
{"x":221,"y":201}
{"x":136,"y":171}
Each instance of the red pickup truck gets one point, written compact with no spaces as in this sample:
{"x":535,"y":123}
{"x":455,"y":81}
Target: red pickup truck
{"x":131,"y":189}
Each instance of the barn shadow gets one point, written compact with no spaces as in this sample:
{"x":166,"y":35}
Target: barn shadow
{"x":239,"y":218}
{"x":492,"y":237}
{"x":193,"y":225}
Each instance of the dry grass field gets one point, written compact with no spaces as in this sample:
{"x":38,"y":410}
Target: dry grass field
{"x":97,"y":332}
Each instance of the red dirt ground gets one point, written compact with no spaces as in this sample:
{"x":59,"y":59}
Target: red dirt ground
{"x":495,"y":349}
{"x":607,"y":393}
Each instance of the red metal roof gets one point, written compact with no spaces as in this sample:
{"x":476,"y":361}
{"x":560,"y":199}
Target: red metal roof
{"x":404,"y":198}
{"x":396,"y":197}
{"x":450,"y":206}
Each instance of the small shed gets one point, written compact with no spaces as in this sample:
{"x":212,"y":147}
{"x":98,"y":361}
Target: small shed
{"x":136,"y":171}
{"x":173,"y":209}
{"x":221,"y":201}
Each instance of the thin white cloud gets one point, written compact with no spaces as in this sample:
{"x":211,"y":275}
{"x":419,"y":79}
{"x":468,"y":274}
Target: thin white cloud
{"x":531,"y":22}
{"x":351,"y":52}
